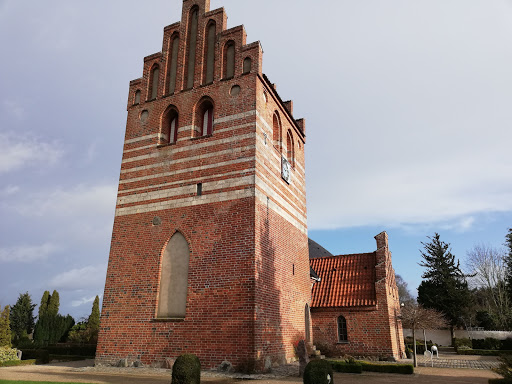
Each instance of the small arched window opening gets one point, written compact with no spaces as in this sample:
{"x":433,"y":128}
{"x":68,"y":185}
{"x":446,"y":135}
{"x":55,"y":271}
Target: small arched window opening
{"x":192,"y":45}
{"x":136,"y":98}
{"x":153,"y":82}
{"x":173,"y":60}
{"x":169,"y":127}
{"x":276,"y":131}
{"x":247,"y":65}
{"x":229,"y":59}
{"x":209,"y":53}
{"x":172,"y":295}
{"x":290,"y":150}
{"x":207,"y":121}
{"x":342,"y":330}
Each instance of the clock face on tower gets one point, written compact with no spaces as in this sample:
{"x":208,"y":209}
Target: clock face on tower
{"x":285,"y":169}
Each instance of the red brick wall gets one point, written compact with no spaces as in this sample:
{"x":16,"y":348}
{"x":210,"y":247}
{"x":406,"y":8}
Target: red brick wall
{"x":372,"y":331}
{"x":249,"y":269}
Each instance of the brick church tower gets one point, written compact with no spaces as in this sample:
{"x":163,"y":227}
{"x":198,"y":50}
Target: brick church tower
{"x":209,"y":251}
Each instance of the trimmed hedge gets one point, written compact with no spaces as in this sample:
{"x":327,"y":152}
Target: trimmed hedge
{"x":318,"y":372}
{"x":404,"y":369}
{"x":72,"y":349}
{"x":40,"y":355}
{"x":482,"y":352}
{"x":69,"y":357}
{"x":14,"y":363}
{"x":345,"y":367}
{"x":366,"y":366}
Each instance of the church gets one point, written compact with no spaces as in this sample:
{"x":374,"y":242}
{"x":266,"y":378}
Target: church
{"x":209,"y":252}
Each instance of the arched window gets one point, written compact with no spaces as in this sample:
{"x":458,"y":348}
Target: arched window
{"x":276,"y":131}
{"x":192,"y":43}
{"x":207,"y":124}
{"x":209,"y":53}
{"x":170,"y":126}
{"x":229,"y":59}
{"x":203,"y":117}
{"x":290,"y":151}
{"x":247,"y":65}
{"x":175,"y":43}
{"x":153,"y":82}
{"x":342,"y":330}
{"x":172,"y":295}
{"x":136,"y":99}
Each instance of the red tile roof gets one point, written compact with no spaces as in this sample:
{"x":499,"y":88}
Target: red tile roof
{"x":346,"y":281}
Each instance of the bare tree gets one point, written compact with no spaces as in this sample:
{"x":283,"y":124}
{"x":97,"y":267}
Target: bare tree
{"x":414,"y":316}
{"x":403,"y":290}
{"x":487,"y":264}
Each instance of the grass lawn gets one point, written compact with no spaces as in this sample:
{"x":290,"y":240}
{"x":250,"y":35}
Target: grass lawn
{"x":33,"y":382}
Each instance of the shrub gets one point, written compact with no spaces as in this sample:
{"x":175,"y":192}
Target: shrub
{"x":405,"y":369}
{"x":318,"y":372}
{"x":186,"y":370}
{"x":462,"y":342}
{"x":506,"y":344}
{"x":505,"y":368}
{"x":8,"y":354}
{"x":487,"y":343}
{"x":346,"y":366}
{"x":14,"y":363}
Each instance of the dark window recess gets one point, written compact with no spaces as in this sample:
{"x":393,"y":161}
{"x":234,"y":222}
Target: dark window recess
{"x":293,"y":269}
{"x":199,"y":189}
{"x":342,"y":330}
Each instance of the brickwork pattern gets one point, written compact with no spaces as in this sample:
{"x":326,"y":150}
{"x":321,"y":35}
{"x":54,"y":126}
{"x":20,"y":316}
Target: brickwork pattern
{"x":247,"y":231}
{"x":372,"y":330}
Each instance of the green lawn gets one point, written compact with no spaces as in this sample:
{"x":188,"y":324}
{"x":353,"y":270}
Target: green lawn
{"x":34,"y":382}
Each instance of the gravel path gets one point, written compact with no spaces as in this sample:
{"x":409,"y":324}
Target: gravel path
{"x":85,"y":372}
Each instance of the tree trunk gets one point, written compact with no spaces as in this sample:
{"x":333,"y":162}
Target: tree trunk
{"x":415,"y":360}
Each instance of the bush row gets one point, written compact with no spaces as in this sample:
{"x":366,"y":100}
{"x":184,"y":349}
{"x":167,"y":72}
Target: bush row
{"x":346,"y":367}
{"x":489,"y":343}
{"x":14,"y":363}
{"x":360,"y":366}
{"x":404,"y":369}
{"x":40,"y":355}
{"x":482,"y":352}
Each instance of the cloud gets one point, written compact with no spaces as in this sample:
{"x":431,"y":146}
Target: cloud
{"x":18,"y":151}
{"x":14,"y":109}
{"x":9,"y":190}
{"x":82,"y":200}
{"x":92,"y":276}
{"x":83,"y":300}
{"x":27,"y":253}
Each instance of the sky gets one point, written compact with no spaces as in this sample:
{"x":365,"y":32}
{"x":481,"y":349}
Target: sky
{"x":408,"y":108}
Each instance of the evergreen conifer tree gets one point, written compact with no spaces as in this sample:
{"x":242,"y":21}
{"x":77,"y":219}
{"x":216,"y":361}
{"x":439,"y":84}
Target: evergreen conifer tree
{"x":444,"y":286}
{"x":5,"y":329}
{"x":22,"y":317}
{"x":94,"y":319}
{"x":43,"y":307}
{"x":53,"y":304}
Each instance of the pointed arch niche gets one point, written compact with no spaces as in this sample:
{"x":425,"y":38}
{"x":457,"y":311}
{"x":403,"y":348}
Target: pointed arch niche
{"x":172,"y":295}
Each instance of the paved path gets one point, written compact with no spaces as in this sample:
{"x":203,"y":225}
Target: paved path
{"x":458,"y":361}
